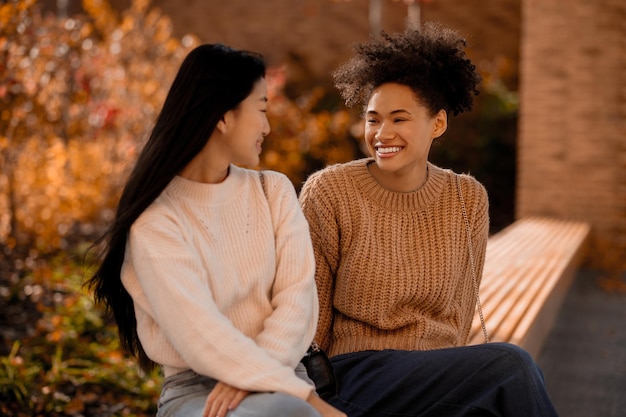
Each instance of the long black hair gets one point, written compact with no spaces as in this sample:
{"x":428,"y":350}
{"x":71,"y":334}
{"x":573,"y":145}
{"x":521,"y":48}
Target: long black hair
{"x":212,"y":80}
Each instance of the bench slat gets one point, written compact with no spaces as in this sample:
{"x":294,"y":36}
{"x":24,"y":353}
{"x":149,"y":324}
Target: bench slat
{"x":528,"y":269}
{"x":536,"y":324}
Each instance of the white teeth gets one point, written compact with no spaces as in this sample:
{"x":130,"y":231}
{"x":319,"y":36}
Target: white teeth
{"x":389,"y":150}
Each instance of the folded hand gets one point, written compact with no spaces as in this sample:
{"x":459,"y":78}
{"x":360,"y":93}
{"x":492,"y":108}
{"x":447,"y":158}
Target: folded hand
{"x":222,"y":399}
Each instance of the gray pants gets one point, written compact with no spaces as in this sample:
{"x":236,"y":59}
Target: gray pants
{"x":184,"y":395}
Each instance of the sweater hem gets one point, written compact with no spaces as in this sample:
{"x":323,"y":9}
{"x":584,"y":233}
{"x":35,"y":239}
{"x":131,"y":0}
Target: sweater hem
{"x":362,"y":343}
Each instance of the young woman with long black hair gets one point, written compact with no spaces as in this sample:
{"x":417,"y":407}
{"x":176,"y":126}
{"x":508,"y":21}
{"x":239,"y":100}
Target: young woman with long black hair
{"x":208,"y":271}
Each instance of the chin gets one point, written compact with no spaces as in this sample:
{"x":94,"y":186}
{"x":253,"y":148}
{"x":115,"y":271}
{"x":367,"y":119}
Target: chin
{"x":388,"y":162}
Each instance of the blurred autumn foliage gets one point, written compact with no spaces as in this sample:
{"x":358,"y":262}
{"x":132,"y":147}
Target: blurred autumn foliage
{"x":78,"y":97}
{"x":65,"y":358}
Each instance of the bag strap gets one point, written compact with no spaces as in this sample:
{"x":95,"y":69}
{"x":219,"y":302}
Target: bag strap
{"x":262,"y":178}
{"x":264,"y":186}
{"x":471,"y":259}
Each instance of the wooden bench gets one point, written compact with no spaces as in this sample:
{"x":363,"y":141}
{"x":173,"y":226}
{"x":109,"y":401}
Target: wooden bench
{"x":529,"y":267}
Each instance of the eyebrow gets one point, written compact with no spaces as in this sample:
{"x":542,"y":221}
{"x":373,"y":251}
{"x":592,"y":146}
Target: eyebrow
{"x":392,"y":112}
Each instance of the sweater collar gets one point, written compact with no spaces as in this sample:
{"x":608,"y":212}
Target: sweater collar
{"x":204,"y":193}
{"x":393,"y":200}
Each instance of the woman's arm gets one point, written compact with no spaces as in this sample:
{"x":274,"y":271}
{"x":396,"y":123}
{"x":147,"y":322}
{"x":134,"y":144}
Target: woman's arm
{"x":168,"y":281}
{"x":294,"y":296}
{"x":324,"y":229}
{"x":477,"y":207}
{"x":479,"y":217}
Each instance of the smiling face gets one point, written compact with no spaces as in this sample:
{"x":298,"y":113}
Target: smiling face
{"x":247,"y":125}
{"x":399,"y":131}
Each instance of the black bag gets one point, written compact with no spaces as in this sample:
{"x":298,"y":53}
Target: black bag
{"x":320,"y":370}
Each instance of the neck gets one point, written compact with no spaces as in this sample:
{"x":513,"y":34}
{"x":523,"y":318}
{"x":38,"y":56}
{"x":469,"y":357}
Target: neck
{"x":206,"y":174}
{"x":399,"y":182}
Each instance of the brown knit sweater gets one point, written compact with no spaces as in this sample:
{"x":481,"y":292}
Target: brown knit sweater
{"x":393,"y":269}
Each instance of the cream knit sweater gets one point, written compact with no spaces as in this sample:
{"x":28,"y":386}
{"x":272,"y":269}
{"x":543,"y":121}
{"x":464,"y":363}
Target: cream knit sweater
{"x":393,"y":268}
{"x":222,"y":284}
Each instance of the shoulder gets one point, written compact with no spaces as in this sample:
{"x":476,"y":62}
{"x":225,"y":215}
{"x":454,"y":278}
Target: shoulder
{"x":275,"y":182}
{"x":336,"y":174}
{"x":333,"y":188}
{"x":463,"y":185}
{"x":273,"y":179}
{"x":161,"y":218}
{"x":471,"y":186}
{"x":163,"y":207}
{"x":474,"y":195}
{"x":467,"y":182}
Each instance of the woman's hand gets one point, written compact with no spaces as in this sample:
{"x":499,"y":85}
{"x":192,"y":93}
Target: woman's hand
{"x":322,"y":407}
{"x":222,"y":399}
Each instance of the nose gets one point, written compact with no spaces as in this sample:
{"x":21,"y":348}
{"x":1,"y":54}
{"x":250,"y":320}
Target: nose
{"x":266,"y":128}
{"x":383,"y":133}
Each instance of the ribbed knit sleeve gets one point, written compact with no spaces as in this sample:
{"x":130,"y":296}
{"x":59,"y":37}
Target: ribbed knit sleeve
{"x":220,"y":290}
{"x":294,"y":295}
{"x":393,"y":268}
{"x":318,"y":204}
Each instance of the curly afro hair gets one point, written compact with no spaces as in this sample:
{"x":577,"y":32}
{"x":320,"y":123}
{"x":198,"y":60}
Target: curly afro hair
{"x":431,"y":61}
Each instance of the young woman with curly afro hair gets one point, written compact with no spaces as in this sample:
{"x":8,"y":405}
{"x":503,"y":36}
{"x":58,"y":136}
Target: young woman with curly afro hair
{"x":400,"y":246}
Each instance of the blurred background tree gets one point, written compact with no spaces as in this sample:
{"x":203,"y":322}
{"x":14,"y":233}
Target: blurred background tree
{"x":77,"y":96}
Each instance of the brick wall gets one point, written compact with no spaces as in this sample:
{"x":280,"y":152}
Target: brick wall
{"x":321,"y":32}
{"x":572,"y":126}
